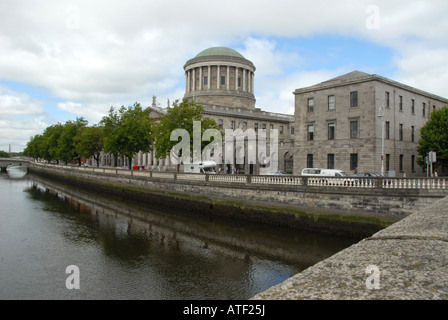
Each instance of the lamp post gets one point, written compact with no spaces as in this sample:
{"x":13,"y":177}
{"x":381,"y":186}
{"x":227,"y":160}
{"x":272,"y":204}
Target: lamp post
{"x":381,"y":115}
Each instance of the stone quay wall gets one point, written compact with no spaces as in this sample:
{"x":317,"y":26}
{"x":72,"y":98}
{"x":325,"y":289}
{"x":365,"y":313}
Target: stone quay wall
{"x":299,"y":202}
{"x":406,"y":261}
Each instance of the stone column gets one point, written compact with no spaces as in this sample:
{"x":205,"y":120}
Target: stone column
{"x":194,"y":79}
{"x":200,"y":78}
{"x":218,"y":76}
{"x":244,"y":79}
{"x":228,"y":77}
{"x":252,"y":86}
{"x":236,"y":78}
{"x":187,"y":85}
{"x":209,"y":83}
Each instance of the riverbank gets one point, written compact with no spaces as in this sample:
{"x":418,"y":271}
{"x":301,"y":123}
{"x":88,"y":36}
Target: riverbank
{"x":267,"y":207}
{"x":406,"y":261}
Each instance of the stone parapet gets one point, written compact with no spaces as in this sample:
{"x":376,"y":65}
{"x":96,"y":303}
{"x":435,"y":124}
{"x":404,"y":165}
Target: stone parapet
{"x":406,"y":261}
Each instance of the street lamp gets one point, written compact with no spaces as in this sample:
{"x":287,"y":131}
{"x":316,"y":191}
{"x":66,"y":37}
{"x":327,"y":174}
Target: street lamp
{"x":381,"y":115}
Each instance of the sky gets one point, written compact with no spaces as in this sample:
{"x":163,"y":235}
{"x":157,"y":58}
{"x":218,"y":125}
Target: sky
{"x":65,"y":59}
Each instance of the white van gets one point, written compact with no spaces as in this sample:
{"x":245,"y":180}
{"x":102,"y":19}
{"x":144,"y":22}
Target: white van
{"x":333,"y":173}
{"x":312,"y":172}
{"x":207,"y":167}
{"x":340,"y":177}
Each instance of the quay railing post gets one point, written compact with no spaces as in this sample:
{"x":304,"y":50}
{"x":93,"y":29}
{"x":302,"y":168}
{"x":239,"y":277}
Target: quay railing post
{"x":305,"y":181}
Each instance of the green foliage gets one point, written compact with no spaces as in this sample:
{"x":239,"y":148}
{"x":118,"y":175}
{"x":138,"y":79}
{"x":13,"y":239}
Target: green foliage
{"x":90,"y":142}
{"x":434,"y":137}
{"x":128,"y":131}
{"x":180,"y":116}
{"x":66,"y":149}
{"x":48,"y":145}
{"x":4,"y":154}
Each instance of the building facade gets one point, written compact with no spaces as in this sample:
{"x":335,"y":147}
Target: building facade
{"x":345,"y":123}
{"x":222,"y":81}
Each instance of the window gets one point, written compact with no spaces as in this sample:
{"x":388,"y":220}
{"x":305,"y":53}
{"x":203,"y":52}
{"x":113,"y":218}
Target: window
{"x":330,"y":161}
{"x":309,"y":161}
{"x":424,"y":109}
{"x":387,"y":130}
{"x":263,"y":126}
{"x":353,"y":161}
{"x":387,"y":99}
{"x":281,"y":129}
{"x":205,"y":81}
{"x":239,"y":81}
{"x":233,"y":125}
{"x":256,"y":127}
{"x":353,"y":129}
{"x":401,"y":163}
{"x":331,"y":103}
{"x":387,"y":162}
{"x":400,"y":132}
{"x":311,"y":105}
{"x":245,"y":125}
{"x":220,"y":124}
{"x":412,"y":106}
{"x":271,"y":126}
{"x":292,"y":129}
{"x":412,"y":133}
{"x":310,"y":132}
{"x":353,"y":99}
{"x":400,"y":99}
{"x":331,"y":131}
{"x":223,"y":80}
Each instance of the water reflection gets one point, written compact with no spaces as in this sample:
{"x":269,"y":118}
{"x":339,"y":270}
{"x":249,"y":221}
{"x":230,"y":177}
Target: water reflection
{"x":129,"y":251}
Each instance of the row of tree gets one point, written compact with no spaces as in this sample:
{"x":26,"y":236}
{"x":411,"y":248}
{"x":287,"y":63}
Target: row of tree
{"x":125,"y":131}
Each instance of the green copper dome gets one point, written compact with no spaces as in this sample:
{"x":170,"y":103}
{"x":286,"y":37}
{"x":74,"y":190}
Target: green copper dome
{"x":219,"y":51}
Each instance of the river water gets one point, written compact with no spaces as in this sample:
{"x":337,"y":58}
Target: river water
{"x":58,"y":242}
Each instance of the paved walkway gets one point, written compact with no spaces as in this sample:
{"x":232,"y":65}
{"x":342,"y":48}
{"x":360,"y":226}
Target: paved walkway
{"x":408,"y":260}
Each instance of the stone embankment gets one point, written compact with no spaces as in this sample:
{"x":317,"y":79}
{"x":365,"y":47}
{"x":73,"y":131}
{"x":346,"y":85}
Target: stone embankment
{"x":408,"y":260}
{"x":350,"y":207}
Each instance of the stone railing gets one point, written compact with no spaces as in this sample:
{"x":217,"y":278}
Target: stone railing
{"x":286,"y":180}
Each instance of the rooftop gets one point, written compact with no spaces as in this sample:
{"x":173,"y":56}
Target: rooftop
{"x":219,"y":51}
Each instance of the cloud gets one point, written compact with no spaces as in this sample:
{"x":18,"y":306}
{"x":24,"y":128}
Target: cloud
{"x":90,"y":55}
{"x":18,"y":104}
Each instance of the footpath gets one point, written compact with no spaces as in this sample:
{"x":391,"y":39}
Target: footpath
{"x":406,"y":261}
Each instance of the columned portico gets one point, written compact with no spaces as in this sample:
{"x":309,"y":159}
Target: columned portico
{"x":220,"y":76}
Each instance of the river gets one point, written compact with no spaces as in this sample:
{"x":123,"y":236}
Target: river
{"x":58,"y":242}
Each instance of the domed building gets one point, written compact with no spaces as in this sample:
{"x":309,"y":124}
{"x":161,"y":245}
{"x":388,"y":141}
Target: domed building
{"x":220,"y":76}
{"x":222,"y":81}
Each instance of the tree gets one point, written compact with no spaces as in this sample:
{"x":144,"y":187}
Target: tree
{"x":90,"y":142}
{"x":66,"y":149}
{"x":48,"y":145}
{"x":434,"y":137}
{"x":128,"y":131}
{"x":180,"y":116}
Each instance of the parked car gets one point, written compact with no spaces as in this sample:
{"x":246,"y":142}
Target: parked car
{"x":366,"y":174}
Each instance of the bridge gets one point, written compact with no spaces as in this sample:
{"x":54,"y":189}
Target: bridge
{"x":5,"y":162}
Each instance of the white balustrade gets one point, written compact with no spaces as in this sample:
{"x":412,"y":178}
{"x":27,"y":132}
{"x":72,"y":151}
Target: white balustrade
{"x":309,"y":181}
